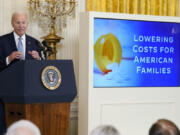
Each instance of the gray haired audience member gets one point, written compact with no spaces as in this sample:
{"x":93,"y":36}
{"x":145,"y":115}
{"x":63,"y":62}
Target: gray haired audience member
{"x":23,"y":127}
{"x":105,"y":130}
{"x":164,"y":127}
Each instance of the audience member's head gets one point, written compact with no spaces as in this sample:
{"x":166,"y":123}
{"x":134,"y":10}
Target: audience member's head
{"x":105,"y":130}
{"x":164,"y":127}
{"x":23,"y":127}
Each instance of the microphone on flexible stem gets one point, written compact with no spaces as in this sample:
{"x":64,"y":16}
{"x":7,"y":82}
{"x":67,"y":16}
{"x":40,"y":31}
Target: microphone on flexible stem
{"x":48,"y":48}
{"x":42,"y":48}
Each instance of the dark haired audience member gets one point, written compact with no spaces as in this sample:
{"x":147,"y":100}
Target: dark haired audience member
{"x":164,"y":127}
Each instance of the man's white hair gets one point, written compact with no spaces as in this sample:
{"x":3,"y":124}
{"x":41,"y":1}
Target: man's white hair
{"x":20,"y":124}
{"x":19,"y":13}
{"x":105,"y":130}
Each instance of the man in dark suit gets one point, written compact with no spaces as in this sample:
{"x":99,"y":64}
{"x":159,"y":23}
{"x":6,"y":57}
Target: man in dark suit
{"x":14,"y":47}
{"x":9,"y":52}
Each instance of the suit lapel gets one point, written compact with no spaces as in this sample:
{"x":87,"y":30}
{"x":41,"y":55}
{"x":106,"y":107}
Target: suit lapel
{"x":28,"y":47}
{"x":12,"y":41}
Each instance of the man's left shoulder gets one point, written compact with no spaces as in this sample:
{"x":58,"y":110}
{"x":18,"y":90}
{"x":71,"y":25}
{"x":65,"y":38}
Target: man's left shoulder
{"x":28,"y":37}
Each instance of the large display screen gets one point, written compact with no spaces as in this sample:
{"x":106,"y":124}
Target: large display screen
{"x":135,"y":53}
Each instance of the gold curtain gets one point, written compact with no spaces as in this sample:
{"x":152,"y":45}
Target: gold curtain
{"x":150,"y":7}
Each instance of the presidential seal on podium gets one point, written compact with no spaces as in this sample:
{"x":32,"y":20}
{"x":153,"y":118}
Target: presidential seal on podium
{"x":51,"y":77}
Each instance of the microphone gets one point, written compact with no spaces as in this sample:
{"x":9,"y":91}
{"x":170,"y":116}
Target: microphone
{"x":42,"y":49}
{"x":48,"y":48}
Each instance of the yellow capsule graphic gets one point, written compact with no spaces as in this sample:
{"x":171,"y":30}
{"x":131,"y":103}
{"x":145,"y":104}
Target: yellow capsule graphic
{"x":107,"y":50}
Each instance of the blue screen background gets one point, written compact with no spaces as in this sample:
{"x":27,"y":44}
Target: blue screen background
{"x":126,"y":74}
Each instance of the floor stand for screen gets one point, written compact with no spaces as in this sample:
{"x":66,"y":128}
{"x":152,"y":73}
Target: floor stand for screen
{"x":51,"y":118}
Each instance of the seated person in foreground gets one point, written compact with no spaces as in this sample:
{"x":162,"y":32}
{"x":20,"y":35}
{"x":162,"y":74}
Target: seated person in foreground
{"x":164,"y":127}
{"x":105,"y":130}
{"x":23,"y":127}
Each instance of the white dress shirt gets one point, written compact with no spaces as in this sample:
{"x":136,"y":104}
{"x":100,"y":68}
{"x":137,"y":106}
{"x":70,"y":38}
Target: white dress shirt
{"x":23,"y":39}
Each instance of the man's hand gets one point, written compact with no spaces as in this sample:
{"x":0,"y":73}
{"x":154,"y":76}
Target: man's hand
{"x":14,"y":55}
{"x":35,"y":55}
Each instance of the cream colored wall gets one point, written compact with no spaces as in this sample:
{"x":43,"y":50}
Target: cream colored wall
{"x":66,"y":49}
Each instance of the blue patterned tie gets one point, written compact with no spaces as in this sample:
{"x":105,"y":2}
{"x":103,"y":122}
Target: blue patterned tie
{"x":20,"y":48}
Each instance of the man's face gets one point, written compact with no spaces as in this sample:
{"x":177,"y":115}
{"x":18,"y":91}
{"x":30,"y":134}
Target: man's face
{"x":19,"y":23}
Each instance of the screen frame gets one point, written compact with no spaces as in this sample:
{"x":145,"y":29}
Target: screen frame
{"x":119,"y":16}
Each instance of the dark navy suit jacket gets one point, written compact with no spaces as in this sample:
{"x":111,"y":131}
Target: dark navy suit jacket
{"x":8,"y":45}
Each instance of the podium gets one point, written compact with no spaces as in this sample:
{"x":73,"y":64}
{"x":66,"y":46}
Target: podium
{"x":26,"y":97}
